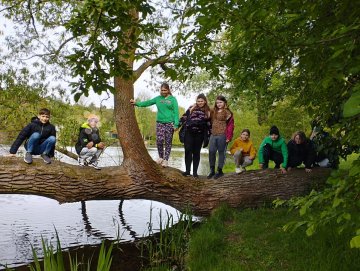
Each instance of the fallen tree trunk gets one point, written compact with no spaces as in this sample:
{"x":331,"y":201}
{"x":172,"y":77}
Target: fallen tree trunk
{"x":69,"y":183}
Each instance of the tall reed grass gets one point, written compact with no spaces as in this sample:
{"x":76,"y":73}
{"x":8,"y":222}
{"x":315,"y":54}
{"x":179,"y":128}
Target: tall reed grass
{"x":168,"y":248}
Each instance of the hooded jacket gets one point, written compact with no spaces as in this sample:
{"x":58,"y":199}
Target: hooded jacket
{"x":86,"y":135}
{"x":44,"y":129}
{"x":278,"y":145}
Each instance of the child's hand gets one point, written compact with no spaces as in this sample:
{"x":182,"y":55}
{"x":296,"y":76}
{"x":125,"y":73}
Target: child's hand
{"x":132,"y":101}
{"x":101,"y":145}
{"x":261,"y":166}
{"x":307,"y":170}
{"x":10,"y":155}
{"x":283,"y":170}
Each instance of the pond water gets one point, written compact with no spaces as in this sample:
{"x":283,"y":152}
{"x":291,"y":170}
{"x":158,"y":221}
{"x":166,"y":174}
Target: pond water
{"x":26,"y":219}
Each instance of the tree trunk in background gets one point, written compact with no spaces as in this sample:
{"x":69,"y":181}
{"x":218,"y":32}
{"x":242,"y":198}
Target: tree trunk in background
{"x":68,"y":183}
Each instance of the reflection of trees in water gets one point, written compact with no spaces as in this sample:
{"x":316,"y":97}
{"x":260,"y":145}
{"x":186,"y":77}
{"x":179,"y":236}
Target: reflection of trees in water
{"x":133,"y":234}
{"x":94,"y":232}
{"x":88,"y":228}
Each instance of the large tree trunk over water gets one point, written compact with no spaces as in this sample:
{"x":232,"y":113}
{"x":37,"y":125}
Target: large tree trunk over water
{"x":139,"y":177}
{"x":68,"y":183}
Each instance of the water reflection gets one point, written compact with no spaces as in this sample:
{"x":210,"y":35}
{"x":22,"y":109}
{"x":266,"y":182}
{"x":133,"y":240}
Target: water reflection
{"x":27,"y":219}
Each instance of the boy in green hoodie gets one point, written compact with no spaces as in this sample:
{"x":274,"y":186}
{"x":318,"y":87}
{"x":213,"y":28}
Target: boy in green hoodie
{"x":273,"y":148}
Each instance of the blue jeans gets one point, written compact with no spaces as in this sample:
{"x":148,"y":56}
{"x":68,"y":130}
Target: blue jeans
{"x":217,"y":143}
{"x":34,"y":147}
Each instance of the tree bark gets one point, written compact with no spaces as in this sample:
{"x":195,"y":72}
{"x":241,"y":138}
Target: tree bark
{"x":69,"y":183}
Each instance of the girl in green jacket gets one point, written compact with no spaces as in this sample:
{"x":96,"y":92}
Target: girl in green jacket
{"x":167,"y":121}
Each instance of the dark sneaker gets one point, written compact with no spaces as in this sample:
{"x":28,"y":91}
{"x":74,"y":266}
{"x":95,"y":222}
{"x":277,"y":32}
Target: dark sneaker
{"x":211,"y":174}
{"x":28,"y":158}
{"x":94,"y":165}
{"x":186,"y":174}
{"x":218,"y":175}
{"x":46,"y":158}
{"x":195,"y":175}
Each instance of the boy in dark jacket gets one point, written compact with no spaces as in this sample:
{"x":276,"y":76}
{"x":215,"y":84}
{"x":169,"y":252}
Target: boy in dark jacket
{"x":300,"y":151}
{"x":89,"y":146}
{"x":40,"y":138}
{"x":273,"y":148}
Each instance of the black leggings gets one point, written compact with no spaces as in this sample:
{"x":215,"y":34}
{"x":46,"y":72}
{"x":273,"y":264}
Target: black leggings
{"x":192,"y":143}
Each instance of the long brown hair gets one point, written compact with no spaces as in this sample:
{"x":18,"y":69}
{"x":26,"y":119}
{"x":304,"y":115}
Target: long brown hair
{"x":301,"y":135}
{"x":206,"y":107}
{"x":216,"y":109}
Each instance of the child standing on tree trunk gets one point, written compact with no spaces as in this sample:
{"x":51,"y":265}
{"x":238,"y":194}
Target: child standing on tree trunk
{"x":221,"y":133}
{"x":196,"y":122}
{"x":167,"y":121}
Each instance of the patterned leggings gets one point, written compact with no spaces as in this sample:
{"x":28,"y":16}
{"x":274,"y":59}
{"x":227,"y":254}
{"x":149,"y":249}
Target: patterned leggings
{"x":164,"y":133}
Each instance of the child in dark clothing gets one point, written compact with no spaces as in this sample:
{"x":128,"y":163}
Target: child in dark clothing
{"x":89,"y":146}
{"x":40,"y":138}
{"x":300,"y":151}
{"x":273,"y":148}
{"x":196,"y":120}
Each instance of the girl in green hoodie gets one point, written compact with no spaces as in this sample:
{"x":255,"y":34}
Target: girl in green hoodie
{"x":167,"y":121}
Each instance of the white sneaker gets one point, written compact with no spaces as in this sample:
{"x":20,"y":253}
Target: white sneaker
{"x":159,"y":161}
{"x":239,"y":170}
{"x":164,"y":163}
{"x":81,"y":162}
{"x":94,"y":165}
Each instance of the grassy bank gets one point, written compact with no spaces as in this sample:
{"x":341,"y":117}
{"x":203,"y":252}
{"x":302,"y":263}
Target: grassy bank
{"x":254,"y":240}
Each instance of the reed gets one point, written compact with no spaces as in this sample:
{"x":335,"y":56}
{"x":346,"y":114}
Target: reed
{"x":169,"y":246}
{"x":54,"y":261}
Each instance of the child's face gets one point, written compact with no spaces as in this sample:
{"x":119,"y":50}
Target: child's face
{"x":244,"y":136}
{"x":220,"y":104}
{"x":93,"y":123}
{"x":200,"y":102}
{"x":274,"y":137}
{"x":164,"y":92}
{"x":44,"y":118}
{"x":297,"y":139}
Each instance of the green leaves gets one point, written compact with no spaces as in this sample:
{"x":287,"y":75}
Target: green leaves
{"x":355,"y":241}
{"x":352,"y":105}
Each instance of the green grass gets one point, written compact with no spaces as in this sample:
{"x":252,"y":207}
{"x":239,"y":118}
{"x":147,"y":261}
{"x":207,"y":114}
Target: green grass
{"x":254,"y":240}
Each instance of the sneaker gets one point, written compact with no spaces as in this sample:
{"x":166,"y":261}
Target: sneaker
{"x":186,"y":174}
{"x":239,"y":170}
{"x":159,"y":161}
{"x":94,"y":165}
{"x":46,"y":158}
{"x":218,"y":175}
{"x":211,"y":174}
{"x":164,"y":163}
{"x":81,"y":162}
{"x":195,"y":175}
{"x":28,"y":158}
